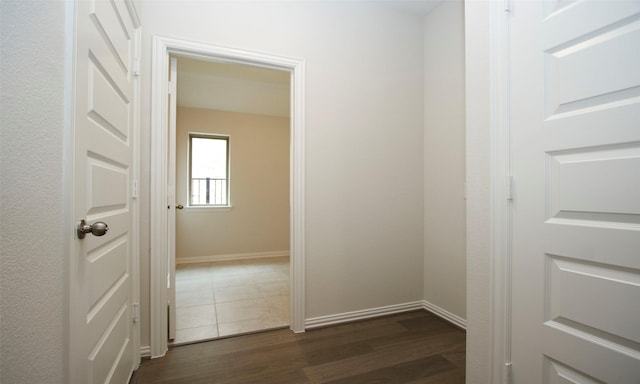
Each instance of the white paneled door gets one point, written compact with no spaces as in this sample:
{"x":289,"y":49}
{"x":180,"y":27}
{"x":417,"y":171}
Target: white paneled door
{"x":101,"y":285}
{"x":575,"y":134}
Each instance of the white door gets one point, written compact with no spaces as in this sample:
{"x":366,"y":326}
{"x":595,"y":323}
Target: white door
{"x":575,"y":130}
{"x":171,"y":194}
{"x":102,"y":347}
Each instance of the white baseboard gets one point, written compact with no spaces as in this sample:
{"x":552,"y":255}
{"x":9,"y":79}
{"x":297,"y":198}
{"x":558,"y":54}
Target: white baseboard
{"x":145,"y":351}
{"x":236,"y":256}
{"x":324,"y":321}
{"x":446,"y":315}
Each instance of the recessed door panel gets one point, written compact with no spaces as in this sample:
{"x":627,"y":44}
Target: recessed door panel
{"x":108,"y":106}
{"x":595,"y":309}
{"x":595,"y":70}
{"x":110,"y":349}
{"x":599,"y":184}
{"x":108,"y":186}
{"x":107,"y":265}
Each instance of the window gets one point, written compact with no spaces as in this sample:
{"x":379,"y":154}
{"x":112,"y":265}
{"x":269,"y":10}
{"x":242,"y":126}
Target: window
{"x":208,"y":170}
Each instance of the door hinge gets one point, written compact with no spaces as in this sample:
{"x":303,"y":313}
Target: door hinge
{"x":507,"y":373}
{"x":509,"y":187}
{"x":134,"y":189}
{"x":172,"y":88}
{"x":136,"y":67}
{"x":507,"y":5}
{"x":136,"y":312}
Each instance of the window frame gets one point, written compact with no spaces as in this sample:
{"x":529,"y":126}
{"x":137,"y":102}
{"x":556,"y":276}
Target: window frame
{"x":214,"y":136}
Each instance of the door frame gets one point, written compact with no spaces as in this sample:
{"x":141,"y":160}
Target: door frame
{"x":488,"y":154}
{"x":163,"y":47}
{"x":501,"y":194}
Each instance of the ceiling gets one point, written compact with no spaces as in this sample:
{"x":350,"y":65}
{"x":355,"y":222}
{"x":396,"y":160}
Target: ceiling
{"x":233,"y":87}
{"x":417,"y":7}
{"x":232,"y":70}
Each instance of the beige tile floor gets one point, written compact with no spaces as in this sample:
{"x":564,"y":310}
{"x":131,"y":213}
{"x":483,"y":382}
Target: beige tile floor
{"x":231,"y":297}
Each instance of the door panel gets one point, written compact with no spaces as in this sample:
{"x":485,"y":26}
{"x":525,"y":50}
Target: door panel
{"x":575,"y":98}
{"x":594,"y":184}
{"x":592,"y":308}
{"x":108,"y":186}
{"x":561,"y":374}
{"x":101,"y":281}
{"x":106,"y":105}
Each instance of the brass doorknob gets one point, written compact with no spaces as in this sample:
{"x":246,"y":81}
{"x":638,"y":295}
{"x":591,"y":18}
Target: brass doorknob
{"x":179,"y":206}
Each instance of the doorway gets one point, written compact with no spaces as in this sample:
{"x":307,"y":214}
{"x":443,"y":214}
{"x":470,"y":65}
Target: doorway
{"x":232,"y":200}
{"x":163,"y":48}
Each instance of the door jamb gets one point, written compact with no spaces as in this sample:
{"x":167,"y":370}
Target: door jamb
{"x":500,"y":194}
{"x":488,"y":146}
{"x":162,"y":48}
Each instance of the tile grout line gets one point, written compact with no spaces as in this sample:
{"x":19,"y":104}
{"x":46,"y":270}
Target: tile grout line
{"x":215,"y":304}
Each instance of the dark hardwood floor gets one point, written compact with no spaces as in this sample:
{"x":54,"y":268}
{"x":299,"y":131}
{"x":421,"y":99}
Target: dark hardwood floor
{"x":413,"y":347}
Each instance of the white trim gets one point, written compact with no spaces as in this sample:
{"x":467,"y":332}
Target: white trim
{"x":445,"y":315}
{"x":145,"y":351}
{"x":500,"y":169}
{"x":230,"y":257}
{"x":162,"y":48}
{"x":207,"y":208}
{"x":134,"y":199}
{"x":158,"y":196}
{"x":323,"y":321}
{"x":297,"y":231}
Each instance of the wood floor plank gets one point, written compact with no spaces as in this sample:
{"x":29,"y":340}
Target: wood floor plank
{"x":401,"y":373}
{"x":384,"y":356}
{"x":456,"y":376}
{"x":414,"y":348}
{"x":457,"y":355}
{"x":331,"y":353}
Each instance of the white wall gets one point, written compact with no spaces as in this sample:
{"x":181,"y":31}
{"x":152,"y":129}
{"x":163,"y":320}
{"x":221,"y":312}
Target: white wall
{"x":478,"y":191}
{"x":364,"y":131}
{"x":32,"y":219}
{"x":259,"y":156}
{"x":444,"y":159}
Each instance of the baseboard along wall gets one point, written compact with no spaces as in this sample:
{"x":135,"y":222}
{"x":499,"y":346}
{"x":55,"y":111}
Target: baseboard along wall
{"x":235,"y":256}
{"x":145,"y":352}
{"x":444,"y":314}
{"x":323,"y":321}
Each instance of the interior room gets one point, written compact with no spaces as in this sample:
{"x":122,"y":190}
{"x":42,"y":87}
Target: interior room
{"x":232,"y":255}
